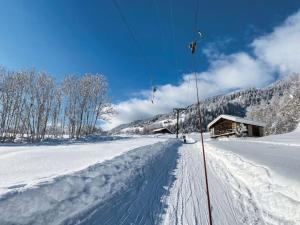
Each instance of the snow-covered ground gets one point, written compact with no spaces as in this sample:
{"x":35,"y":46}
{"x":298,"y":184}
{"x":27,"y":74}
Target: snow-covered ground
{"x":153,"y":180}
{"x":24,"y":166}
{"x":281,"y":159}
{"x":273,"y":199}
{"x":108,"y":189}
{"x":187,"y":202}
{"x":279,"y":153}
{"x":252,"y":181}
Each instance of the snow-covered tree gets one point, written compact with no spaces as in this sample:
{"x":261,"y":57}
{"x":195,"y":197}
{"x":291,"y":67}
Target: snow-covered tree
{"x":33,"y":105}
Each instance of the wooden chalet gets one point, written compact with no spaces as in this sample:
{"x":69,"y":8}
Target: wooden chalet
{"x":226,"y":125}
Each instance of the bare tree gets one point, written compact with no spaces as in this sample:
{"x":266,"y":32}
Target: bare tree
{"x":32,"y":105}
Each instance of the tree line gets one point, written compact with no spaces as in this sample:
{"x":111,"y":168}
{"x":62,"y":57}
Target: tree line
{"x":281,"y":113}
{"x":34,"y":106}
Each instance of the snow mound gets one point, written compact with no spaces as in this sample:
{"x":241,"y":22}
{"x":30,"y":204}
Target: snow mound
{"x":277,"y":200}
{"x":26,"y":166}
{"x":92,"y":191}
{"x":289,"y":139}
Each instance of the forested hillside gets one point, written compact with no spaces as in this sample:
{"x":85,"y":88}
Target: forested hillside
{"x":281,"y":113}
{"x":278,"y":105}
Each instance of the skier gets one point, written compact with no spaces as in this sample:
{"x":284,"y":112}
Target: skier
{"x":184,"y":139}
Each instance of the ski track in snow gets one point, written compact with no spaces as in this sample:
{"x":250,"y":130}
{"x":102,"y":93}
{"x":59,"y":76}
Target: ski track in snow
{"x":161,"y":183}
{"x":187,"y":202}
{"x":124,"y":190}
{"x":140,"y":203}
{"x":241,"y":191}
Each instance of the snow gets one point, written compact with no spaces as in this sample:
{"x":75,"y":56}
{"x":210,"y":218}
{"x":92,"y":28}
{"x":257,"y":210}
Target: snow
{"x":289,"y":139}
{"x":280,"y":153}
{"x":129,"y":130}
{"x":153,"y":180}
{"x":273,"y":200}
{"x":269,"y":168}
{"x":251,"y":182}
{"x":22,"y":167}
{"x":106,"y":192}
{"x":187,"y":202}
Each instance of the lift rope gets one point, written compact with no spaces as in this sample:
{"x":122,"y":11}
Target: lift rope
{"x":137,"y":45}
{"x":193,"y":48}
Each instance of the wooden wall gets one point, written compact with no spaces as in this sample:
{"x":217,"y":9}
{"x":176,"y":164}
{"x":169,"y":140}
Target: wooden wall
{"x":223,"y":127}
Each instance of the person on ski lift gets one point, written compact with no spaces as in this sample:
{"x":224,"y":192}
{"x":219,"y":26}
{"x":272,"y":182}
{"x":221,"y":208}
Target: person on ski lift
{"x":193,"y":46}
{"x":153,"y":93}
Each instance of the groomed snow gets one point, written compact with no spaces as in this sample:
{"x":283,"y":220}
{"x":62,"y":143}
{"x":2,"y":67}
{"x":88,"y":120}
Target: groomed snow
{"x":280,"y":153}
{"x":289,"y":139}
{"x":126,"y":189}
{"x":22,"y":167}
{"x":187,"y":203}
{"x":268,"y":167}
{"x":155,"y":180}
{"x":272,"y":199}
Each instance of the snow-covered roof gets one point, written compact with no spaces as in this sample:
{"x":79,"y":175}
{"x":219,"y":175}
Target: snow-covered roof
{"x":160,"y":129}
{"x":236,"y":119}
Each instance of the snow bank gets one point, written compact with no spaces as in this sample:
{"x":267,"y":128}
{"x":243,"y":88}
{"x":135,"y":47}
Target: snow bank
{"x":25,"y":166}
{"x":138,"y":176}
{"x":289,"y":139}
{"x":282,"y":160}
{"x":277,"y":200}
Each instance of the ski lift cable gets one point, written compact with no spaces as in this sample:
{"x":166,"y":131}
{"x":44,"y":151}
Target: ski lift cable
{"x":159,"y":24}
{"x":153,"y":90}
{"x":137,"y":44}
{"x":193,"y":48}
{"x":196,"y":17}
{"x":162,"y":45}
{"x":174,"y":39}
{"x":196,"y":38}
{"x":202,"y":143}
{"x":132,"y":35}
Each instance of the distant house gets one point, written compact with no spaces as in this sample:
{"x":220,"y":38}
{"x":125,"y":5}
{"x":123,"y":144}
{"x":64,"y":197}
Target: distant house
{"x":226,"y":125}
{"x":162,"y":130}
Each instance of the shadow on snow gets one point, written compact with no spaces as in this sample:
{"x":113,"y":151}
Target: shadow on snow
{"x":125,"y":190}
{"x":141,"y":201}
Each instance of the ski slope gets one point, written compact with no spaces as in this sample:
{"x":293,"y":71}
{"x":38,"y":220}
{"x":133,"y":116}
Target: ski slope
{"x":187,"y":203}
{"x":153,"y":180}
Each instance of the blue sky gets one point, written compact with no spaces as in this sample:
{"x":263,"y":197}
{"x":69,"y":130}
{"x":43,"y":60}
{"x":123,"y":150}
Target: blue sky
{"x":73,"y":37}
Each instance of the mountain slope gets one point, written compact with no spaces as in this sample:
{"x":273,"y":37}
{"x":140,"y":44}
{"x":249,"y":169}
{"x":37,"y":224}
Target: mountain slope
{"x":281,"y":99}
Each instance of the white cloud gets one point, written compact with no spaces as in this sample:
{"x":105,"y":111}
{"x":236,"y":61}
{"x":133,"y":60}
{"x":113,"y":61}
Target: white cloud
{"x":278,"y":51}
{"x":237,"y":71}
{"x":281,"y":49}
